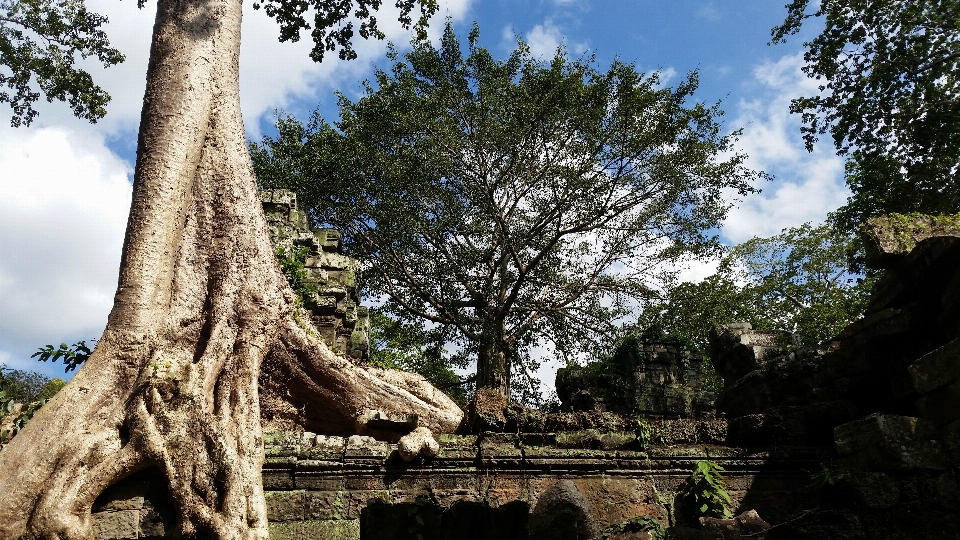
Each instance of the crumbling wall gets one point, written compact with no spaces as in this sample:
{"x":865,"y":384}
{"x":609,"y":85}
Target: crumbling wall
{"x":334,"y":307}
{"x":645,"y":377}
{"x":492,"y":486}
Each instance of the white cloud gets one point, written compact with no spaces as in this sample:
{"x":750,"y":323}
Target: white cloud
{"x":807,"y":185}
{"x":708,"y":12}
{"x":273,"y":75}
{"x":544,"y":40}
{"x":62,"y":218}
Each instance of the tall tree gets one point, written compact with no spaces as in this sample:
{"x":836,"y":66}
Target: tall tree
{"x":889,"y":99}
{"x":201,"y":301}
{"x":513,"y":202}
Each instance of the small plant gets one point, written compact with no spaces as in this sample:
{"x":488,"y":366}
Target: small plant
{"x":704,"y":493}
{"x":826,"y":476}
{"x":417,"y":524}
{"x":73,"y":356}
{"x":637,"y":524}
{"x":292,"y":264}
{"x":644,"y":432}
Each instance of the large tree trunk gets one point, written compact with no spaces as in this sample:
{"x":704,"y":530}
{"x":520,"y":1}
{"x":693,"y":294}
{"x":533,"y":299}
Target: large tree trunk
{"x":200,"y":302}
{"x":494,"y":361}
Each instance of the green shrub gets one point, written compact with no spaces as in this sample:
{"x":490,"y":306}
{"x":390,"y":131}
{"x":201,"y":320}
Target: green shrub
{"x":704,"y":493}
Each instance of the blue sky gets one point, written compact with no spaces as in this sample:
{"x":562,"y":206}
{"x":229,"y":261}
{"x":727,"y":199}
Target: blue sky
{"x":66,"y":184}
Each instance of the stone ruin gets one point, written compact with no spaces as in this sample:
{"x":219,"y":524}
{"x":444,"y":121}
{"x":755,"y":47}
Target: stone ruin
{"x":855,"y":439}
{"x":650,"y":377}
{"x":335,"y":306}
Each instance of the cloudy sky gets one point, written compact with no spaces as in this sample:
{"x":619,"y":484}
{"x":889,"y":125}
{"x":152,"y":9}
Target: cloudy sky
{"x":65,"y":184}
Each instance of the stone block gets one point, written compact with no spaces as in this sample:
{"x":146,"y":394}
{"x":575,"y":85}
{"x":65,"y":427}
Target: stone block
{"x":887,"y":239}
{"x":499,"y":445}
{"x":117,"y":525}
{"x":360,"y":446}
{"x":937,"y":368}
{"x":277,"y":478}
{"x":326,"y":448}
{"x":885,"y":441}
{"x":323,"y":505}
{"x":941,"y":406}
{"x":341,"y":529}
{"x":285,"y":505}
{"x":588,"y":438}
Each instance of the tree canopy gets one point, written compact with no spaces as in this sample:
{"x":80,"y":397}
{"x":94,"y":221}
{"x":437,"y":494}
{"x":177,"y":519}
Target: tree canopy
{"x":40,"y":41}
{"x":797,"y":281}
{"x":512,"y":203}
{"x":889,"y":100}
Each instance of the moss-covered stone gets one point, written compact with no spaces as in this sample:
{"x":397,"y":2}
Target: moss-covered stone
{"x":334,"y":529}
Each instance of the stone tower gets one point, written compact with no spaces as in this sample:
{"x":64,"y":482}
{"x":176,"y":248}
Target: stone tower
{"x":335,"y":306}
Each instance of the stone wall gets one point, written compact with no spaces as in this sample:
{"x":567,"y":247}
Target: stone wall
{"x":646,"y":377}
{"x":491,"y":486}
{"x":335,"y":306}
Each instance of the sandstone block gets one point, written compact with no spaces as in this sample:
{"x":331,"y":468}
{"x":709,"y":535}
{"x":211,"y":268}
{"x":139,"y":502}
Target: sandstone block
{"x":119,"y":525}
{"x":937,"y":368}
{"x":885,"y":441}
{"x":942,"y":405}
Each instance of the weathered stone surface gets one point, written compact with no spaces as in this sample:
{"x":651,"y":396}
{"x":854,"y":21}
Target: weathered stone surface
{"x":346,"y":529}
{"x":326,"y":448}
{"x":942,"y":405}
{"x":485,"y":411}
{"x":563,"y":513}
{"x":335,"y":306}
{"x":737,"y":349}
{"x":117,"y":525}
{"x":647,"y":376}
{"x":286,"y":505}
{"x":418,"y":443}
{"x":360,"y":446}
{"x":888,"y":238}
{"x":881,"y":442}
{"x":937,"y":368}
{"x":868,"y":490}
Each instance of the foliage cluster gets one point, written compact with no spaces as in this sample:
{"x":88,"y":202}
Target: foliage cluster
{"x":636,"y":524}
{"x":798,"y":281}
{"x":73,"y":355}
{"x":41,"y":41}
{"x":408,"y":346}
{"x":292,"y":263}
{"x":643,"y":432}
{"x":889,"y":99}
{"x":30,"y":390}
{"x":704,"y":493}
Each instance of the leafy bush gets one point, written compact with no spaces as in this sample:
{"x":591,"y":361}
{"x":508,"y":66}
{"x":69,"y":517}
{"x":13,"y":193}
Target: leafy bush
{"x":31,"y":390}
{"x":292,"y":262}
{"x":704,"y":493}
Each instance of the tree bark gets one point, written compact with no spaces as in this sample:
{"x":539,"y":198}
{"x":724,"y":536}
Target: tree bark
{"x":494,"y":361}
{"x":173,"y":382}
